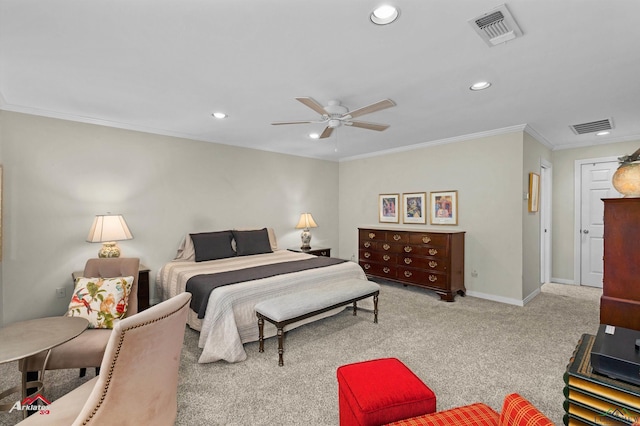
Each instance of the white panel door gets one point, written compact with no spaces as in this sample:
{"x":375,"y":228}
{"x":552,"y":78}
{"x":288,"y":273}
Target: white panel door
{"x":596,"y":185}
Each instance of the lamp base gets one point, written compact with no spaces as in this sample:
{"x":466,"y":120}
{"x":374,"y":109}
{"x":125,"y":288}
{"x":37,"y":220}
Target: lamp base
{"x":306,"y":239}
{"x":109,"y":249}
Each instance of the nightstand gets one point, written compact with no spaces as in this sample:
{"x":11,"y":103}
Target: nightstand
{"x":143,"y":286}
{"x":326,"y":252}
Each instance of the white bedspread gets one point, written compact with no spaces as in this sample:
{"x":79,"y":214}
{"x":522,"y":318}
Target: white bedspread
{"x":230,"y":319}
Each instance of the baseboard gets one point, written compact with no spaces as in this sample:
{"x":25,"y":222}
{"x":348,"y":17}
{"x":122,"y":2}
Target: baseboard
{"x":531,"y":296}
{"x":563,"y":281}
{"x":495,"y":298}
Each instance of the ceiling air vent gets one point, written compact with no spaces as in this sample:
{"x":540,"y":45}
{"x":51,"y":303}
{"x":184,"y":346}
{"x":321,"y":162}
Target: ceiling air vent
{"x":496,"y":26}
{"x":592,"y":127}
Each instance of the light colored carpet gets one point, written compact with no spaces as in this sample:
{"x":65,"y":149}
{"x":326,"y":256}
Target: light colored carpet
{"x":472,"y":350}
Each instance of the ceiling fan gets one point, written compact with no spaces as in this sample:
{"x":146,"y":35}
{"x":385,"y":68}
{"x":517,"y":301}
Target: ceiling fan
{"x":335,"y":115}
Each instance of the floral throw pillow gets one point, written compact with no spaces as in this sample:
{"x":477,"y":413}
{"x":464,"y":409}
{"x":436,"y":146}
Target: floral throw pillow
{"x":102,"y":301}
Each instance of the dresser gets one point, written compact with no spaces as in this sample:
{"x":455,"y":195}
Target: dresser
{"x":425,"y":258}
{"x":620,"y":301}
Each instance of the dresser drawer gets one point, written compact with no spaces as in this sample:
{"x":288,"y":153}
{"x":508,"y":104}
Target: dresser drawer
{"x":422,"y":277}
{"x":424,"y":250}
{"x":380,"y":270}
{"x":379,"y":257}
{"x":433,"y":264}
{"x":430,"y":239}
{"x":372,"y":235}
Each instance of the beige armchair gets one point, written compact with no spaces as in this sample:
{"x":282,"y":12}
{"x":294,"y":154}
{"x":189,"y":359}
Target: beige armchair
{"x":139,"y":380}
{"x":87,"y":350}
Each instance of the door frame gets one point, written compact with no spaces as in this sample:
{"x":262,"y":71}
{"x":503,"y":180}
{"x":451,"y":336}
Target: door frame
{"x":577,"y":210}
{"x":546,"y":185}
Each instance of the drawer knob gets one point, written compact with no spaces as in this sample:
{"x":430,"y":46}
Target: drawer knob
{"x":433,"y":278}
{"x":367,"y":244}
{"x":367,"y":254}
{"x":408,"y":249}
{"x":396,"y":237}
{"x":407,"y":274}
{"x":426,"y":240}
{"x":372,"y":235}
{"x":366,"y":266}
{"x":386,"y":246}
{"x":433,"y":251}
{"x":386,"y":257}
{"x":407,"y":260}
{"x":433,"y":263}
{"x":386,"y":270}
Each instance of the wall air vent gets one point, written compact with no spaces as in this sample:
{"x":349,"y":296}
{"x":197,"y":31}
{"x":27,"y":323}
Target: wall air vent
{"x":592,"y":127}
{"x":496,"y":26}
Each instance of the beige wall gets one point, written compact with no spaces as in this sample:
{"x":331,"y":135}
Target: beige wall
{"x":563,"y":221}
{"x":59,"y":174}
{"x":534,"y":152}
{"x":488,"y":175}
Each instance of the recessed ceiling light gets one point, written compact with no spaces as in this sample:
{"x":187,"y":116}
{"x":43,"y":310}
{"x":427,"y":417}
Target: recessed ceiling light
{"x":384,"y":15}
{"x":219,"y":115}
{"x":314,"y":135}
{"x":603,"y":133}
{"x":480,"y":85}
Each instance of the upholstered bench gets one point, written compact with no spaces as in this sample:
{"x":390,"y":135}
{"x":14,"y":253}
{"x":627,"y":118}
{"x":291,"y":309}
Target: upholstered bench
{"x":381,"y":391}
{"x":298,"y":306}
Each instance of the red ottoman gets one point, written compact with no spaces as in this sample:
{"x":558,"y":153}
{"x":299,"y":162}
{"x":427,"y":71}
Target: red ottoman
{"x":381,"y":391}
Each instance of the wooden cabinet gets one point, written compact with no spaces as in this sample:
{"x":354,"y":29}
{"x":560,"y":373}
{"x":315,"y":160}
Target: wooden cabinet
{"x":423,"y":258}
{"x":620,"y":301}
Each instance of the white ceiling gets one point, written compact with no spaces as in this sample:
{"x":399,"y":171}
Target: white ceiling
{"x":163,"y":66}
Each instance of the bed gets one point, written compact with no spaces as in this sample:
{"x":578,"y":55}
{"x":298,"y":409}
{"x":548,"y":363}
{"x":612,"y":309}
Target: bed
{"x":229,"y":318}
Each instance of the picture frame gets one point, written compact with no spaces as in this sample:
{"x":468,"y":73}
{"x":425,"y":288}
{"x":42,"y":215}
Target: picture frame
{"x":388,"y":208}
{"x":414,"y":207}
{"x":534,"y":192}
{"x":444,"y":207}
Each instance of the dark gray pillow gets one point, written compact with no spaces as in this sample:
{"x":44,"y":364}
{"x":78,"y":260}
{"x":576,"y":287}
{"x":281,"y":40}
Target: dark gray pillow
{"x":252,"y":242}
{"x":212,"y":245}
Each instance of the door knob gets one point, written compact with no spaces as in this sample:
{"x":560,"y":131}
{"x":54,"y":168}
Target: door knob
{"x":585,"y":231}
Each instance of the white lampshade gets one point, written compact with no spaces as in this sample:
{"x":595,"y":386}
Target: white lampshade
{"x":108,"y":229}
{"x":306,"y":222}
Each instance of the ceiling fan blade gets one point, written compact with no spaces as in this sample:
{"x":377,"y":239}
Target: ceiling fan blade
{"x":365,"y":125}
{"x":326,"y":133}
{"x":385,"y":103}
{"x":311,"y":103}
{"x":292,"y":122}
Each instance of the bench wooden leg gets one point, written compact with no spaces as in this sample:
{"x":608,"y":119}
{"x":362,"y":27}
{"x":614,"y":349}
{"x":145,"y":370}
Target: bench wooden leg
{"x":280,"y":346}
{"x":261,"y":333}
{"x":375,"y":308}
{"x":355,"y":308}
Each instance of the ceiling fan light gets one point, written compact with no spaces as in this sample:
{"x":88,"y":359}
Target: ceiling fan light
{"x":219,"y":115}
{"x":384,"y":15}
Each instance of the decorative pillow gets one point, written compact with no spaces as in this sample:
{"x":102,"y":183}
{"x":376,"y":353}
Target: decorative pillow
{"x":212,"y":245}
{"x":252,"y":242}
{"x":102,"y":301}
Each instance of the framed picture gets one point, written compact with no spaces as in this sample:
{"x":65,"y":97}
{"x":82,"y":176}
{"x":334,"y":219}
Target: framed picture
{"x":444,"y":208}
{"x":388,"y":206}
{"x":414,"y":207}
{"x":534,"y":192}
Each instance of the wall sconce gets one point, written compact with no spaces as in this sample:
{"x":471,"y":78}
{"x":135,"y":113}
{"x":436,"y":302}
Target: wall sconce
{"x":107,"y":229}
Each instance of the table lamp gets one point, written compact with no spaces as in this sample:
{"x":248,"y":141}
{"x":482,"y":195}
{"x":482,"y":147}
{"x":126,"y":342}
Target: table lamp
{"x":306,"y":222}
{"x":107,"y":229}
